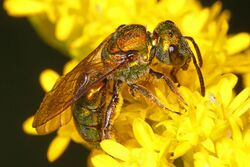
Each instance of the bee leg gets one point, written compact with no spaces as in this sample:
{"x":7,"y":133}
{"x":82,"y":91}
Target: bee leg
{"x":169,"y":82}
{"x":104,"y":92}
{"x":147,"y":94}
{"x":173,"y":73}
{"x":109,"y":115}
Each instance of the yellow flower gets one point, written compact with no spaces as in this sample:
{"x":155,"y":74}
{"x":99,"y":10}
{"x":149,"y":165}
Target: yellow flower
{"x":210,"y":131}
{"x":213,"y":132}
{"x":148,"y":150}
{"x":70,"y":25}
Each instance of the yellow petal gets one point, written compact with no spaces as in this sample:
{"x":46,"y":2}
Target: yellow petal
{"x":225,"y":87}
{"x":181,"y":149}
{"x":177,"y":7}
{"x":115,"y":149}
{"x":240,"y":98}
{"x":224,"y":148}
{"x":69,"y":66}
{"x":243,"y":108}
{"x":64,"y":27}
{"x":238,"y":43}
{"x":161,"y":96}
{"x":67,"y":130}
{"x":247,"y":138}
{"x":207,"y":125}
{"x":219,"y":131}
{"x":149,"y":159}
{"x":78,"y":42}
{"x":76,"y":137}
{"x":48,"y":78}
{"x":200,"y":159}
{"x":102,"y":160}
{"x":209,"y":145}
{"x":214,"y":161}
{"x":143,"y":133}
{"x":27,"y":126}
{"x":237,"y":135}
{"x":193,"y":23}
{"x":24,"y":7}
{"x":246,"y":79}
{"x":57,"y":147}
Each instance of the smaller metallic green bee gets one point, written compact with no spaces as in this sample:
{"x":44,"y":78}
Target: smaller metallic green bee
{"x":124,"y":57}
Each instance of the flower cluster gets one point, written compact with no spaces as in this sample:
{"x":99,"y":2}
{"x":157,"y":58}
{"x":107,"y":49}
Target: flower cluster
{"x":211,"y":131}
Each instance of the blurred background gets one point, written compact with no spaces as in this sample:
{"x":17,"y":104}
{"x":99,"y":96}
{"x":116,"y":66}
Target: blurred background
{"x":23,"y":55}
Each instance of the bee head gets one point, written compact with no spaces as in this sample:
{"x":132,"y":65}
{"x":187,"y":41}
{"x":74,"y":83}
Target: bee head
{"x":170,"y":47}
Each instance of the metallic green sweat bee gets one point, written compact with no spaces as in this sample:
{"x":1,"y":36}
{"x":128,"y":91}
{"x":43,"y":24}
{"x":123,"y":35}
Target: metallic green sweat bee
{"x":124,"y":57}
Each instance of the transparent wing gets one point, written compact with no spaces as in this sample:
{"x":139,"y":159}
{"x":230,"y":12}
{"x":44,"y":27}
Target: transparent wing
{"x":69,"y":88}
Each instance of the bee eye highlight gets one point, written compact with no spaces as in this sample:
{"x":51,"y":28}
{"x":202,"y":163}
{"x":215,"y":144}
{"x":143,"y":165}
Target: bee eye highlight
{"x":172,"y":49}
{"x":175,"y":58}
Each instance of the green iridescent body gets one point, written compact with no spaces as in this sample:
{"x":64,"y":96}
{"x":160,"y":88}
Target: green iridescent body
{"x":92,"y":88}
{"x":87,"y":117}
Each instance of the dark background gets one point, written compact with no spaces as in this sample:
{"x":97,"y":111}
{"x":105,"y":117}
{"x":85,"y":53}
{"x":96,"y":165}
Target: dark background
{"x":23,"y":55}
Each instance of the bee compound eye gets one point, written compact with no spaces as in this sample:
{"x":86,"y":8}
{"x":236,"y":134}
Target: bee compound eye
{"x":175,"y":57}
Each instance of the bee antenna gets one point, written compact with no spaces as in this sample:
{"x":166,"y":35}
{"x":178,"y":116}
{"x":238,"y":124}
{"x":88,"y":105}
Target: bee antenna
{"x":202,"y":85}
{"x":196,"y":49}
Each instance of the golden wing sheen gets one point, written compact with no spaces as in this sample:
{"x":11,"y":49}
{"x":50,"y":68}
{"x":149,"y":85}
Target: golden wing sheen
{"x":90,"y":71}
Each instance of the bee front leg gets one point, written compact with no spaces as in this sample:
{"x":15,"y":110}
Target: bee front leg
{"x":110,"y":113}
{"x":173,"y":73}
{"x":169,"y":82}
{"x":147,"y":94}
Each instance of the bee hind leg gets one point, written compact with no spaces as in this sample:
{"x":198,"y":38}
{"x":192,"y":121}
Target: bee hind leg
{"x":110,"y":113}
